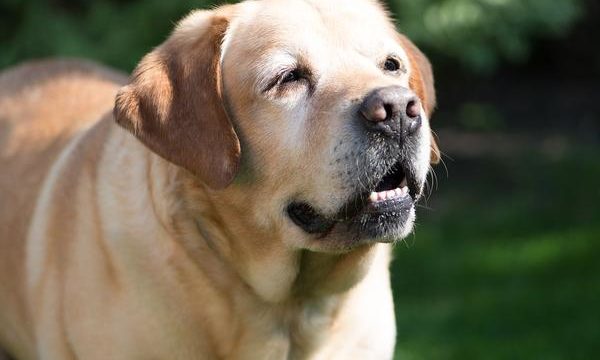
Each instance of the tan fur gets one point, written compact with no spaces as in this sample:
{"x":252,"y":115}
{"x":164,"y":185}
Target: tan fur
{"x":132,"y":242}
{"x":42,"y":105}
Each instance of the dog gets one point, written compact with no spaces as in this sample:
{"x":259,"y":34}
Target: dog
{"x":235,"y":198}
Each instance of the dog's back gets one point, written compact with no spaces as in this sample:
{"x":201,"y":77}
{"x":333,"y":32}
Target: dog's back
{"x":42,"y":105}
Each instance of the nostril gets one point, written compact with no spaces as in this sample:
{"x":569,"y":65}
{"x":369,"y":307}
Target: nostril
{"x":375,"y":111}
{"x":389,"y":111}
{"x":412,"y":109}
{"x":379,"y":114}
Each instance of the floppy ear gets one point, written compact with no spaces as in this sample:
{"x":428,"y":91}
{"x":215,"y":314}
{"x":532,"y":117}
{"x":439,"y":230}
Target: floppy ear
{"x":421,"y":81}
{"x":173,"y":103}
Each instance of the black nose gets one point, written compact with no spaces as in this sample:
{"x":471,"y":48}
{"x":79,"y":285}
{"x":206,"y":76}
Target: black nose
{"x":392,"y":110}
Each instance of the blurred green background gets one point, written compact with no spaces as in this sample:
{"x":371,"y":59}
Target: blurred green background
{"x":505,"y":260}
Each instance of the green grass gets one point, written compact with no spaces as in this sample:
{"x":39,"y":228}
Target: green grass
{"x":506,"y":265}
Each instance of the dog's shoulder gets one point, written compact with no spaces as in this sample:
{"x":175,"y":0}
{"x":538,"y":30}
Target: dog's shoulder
{"x":37,"y":72}
{"x":43,"y":105}
{"x":41,"y":100}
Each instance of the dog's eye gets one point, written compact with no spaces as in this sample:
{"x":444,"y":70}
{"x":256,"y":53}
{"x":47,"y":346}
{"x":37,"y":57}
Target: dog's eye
{"x":289,"y":80}
{"x":392,"y":64}
{"x":290,"y":76}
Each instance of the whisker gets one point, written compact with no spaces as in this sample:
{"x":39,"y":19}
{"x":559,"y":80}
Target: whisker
{"x":442,"y":154}
{"x":425,"y":207}
{"x":444,"y":164}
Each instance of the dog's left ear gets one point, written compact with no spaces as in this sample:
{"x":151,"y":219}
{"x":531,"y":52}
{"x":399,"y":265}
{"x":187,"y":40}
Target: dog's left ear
{"x":421,"y":82}
{"x":173,"y":103}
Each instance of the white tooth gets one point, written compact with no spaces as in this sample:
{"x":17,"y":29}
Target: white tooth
{"x":404,"y":183}
{"x":391,"y":194}
{"x":397,"y":192}
{"x":381,"y":195}
{"x":373,"y":197}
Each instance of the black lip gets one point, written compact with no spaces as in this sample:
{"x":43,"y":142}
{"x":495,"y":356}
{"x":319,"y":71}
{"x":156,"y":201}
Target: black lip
{"x":307,"y":218}
{"x":313,"y":222}
{"x":381,"y":218}
{"x":389,"y":206}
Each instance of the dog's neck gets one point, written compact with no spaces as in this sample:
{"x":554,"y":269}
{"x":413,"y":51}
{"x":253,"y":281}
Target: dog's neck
{"x":302,"y":296}
{"x":274,"y":272}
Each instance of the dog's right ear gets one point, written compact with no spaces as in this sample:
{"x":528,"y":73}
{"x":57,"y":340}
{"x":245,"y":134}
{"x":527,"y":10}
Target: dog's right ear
{"x":173,"y":103}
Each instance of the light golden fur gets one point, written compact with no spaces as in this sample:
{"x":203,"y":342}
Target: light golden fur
{"x":173,"y":243}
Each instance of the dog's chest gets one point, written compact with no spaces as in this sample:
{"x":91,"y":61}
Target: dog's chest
{"x":291,"y":331}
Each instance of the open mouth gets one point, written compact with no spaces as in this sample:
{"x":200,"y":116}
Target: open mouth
{"x":393,"y":186}
{"x":389,"y":203}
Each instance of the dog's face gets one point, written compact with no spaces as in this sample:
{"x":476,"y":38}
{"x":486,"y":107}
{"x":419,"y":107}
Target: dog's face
{"x":329,"y":103}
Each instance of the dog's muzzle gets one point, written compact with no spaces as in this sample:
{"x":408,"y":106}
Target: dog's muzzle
{"x":387,"y":182}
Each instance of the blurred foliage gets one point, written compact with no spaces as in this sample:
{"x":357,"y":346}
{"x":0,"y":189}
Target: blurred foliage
{"x":481,"y":117}
{"x":482,"y":33}
{"x":114,"y":32}
{"x":476,"y":33}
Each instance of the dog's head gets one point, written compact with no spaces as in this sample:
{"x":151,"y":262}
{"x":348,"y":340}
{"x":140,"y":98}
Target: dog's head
{"x":311,"y":116}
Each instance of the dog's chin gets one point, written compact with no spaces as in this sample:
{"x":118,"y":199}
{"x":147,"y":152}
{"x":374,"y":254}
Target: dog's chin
{"x":384,"y":215}
{"x":384,"y":221}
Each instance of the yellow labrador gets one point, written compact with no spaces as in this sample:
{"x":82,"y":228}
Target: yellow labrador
{"x":268,"y":152}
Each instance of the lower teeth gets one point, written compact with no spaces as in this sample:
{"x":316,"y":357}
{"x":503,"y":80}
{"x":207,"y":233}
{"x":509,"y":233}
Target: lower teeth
{"x":390,"y":194}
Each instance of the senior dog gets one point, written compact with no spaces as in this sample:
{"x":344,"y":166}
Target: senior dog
{"x":268,"y":153}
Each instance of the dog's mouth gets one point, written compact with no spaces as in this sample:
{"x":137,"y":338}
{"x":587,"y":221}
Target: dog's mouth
{"x":372,"y":214}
